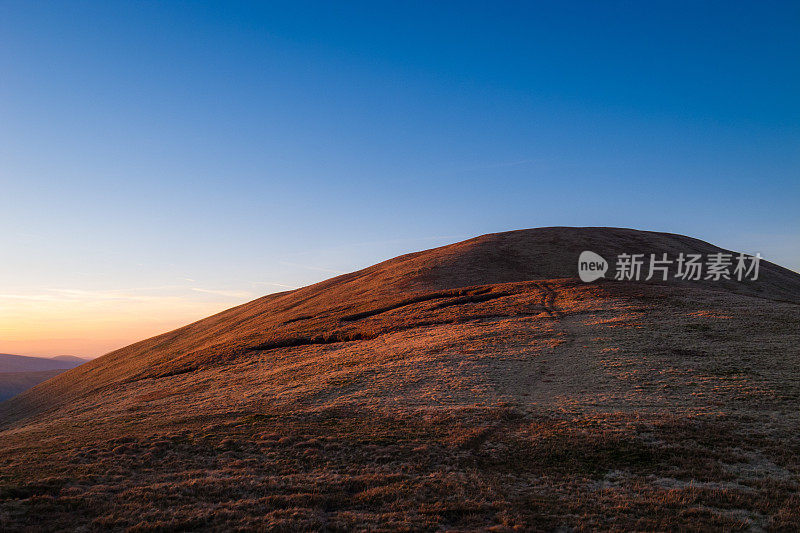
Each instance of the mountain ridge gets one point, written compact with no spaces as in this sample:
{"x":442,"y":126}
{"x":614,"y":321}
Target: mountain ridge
{"x":29,"y":363}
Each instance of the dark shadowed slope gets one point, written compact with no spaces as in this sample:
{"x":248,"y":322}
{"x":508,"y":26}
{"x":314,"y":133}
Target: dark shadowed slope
{"x":469,"y":386}
{"x":12,"y":383}
{"x":19,"y":373}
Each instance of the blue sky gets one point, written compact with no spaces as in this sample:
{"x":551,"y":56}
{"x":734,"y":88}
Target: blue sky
{"x":161,"y":161}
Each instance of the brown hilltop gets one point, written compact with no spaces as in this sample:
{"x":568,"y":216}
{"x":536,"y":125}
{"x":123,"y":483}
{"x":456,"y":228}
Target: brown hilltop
{"x":455,"y":363}
{"x":412,"y":282}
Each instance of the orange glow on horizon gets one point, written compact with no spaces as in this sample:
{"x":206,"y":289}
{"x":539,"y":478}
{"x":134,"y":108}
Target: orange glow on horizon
{"x":92,"y":323}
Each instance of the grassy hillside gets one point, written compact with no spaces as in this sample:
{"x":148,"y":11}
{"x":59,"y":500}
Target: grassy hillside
{"x":457,"y":388}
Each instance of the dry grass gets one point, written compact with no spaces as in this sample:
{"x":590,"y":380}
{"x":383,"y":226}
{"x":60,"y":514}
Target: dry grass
{"x":463,"y":470}
{"x":532,"y":405}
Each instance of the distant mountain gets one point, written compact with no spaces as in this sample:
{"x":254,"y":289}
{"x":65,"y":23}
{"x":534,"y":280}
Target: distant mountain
{"x":19,"y":373}
{"x":12,"y":383}
{"x":69,"y":358}
{"x":25,"y":363}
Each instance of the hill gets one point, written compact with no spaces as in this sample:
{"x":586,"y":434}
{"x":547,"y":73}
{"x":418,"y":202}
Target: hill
{"x":24,"y":363}
{"x":69,"y":359}
{"x":12,"y":383}
{"x":474,"y":385}
{"x":19,"y":373}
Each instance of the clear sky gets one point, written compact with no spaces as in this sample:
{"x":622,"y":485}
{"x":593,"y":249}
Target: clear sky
{"x":161,"y":161}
